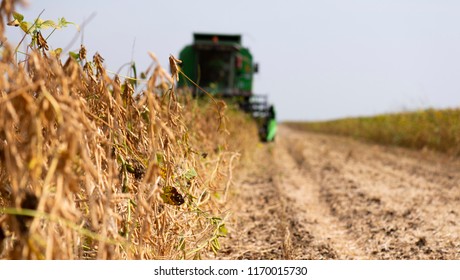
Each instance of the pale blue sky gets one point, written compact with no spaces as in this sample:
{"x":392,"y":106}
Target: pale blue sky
{"x":319,"y":59}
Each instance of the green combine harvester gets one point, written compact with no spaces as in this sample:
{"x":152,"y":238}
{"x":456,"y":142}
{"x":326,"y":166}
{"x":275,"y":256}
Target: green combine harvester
{"x":223,"y":67}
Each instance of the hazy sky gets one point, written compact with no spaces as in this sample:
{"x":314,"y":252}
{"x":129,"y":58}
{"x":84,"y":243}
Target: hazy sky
{"x":318,"y":60}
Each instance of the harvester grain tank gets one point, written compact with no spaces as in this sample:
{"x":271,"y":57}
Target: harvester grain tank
{"x":223,"y":67}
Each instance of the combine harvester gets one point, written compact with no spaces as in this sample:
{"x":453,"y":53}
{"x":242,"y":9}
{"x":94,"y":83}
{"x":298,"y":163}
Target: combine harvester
{"x":223,"y":67}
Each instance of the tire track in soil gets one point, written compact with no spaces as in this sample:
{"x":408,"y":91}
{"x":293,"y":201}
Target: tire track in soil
{"x":308,"y":211}
{"x":313,"y":196}
{"x":397,"y":204}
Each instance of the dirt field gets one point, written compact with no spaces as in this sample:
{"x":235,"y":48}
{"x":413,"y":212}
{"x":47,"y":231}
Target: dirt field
{"x":312,"y":196}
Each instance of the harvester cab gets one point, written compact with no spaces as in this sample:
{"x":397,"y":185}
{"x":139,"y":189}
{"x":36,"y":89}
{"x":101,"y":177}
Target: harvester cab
{"x":223,"y":67}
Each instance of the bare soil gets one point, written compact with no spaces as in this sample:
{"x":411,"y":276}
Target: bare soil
{"x":313,"y":196}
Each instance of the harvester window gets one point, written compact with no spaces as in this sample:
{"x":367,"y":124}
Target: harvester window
{"x":215,"y":68}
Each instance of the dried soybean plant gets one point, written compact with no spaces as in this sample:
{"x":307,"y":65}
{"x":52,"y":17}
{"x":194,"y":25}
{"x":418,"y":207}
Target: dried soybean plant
{"x":92,"y":170}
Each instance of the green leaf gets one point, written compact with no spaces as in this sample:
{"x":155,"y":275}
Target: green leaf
{"x":74,"y":55}
{"x":130,"y":168}
{"x":62,"y":22}
{"x":190,"y":174}
{"x":160,"y":158}
{"x":56,"y":52}
{"x":223,"y":231}
{"x":48,"y":24}
{"x":25,"y":26}
{"x":38,"y":23}
{"x":18,"y":16}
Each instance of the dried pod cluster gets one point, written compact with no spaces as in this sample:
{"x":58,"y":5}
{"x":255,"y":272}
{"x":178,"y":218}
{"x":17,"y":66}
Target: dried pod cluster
{"x":94,"y":167}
